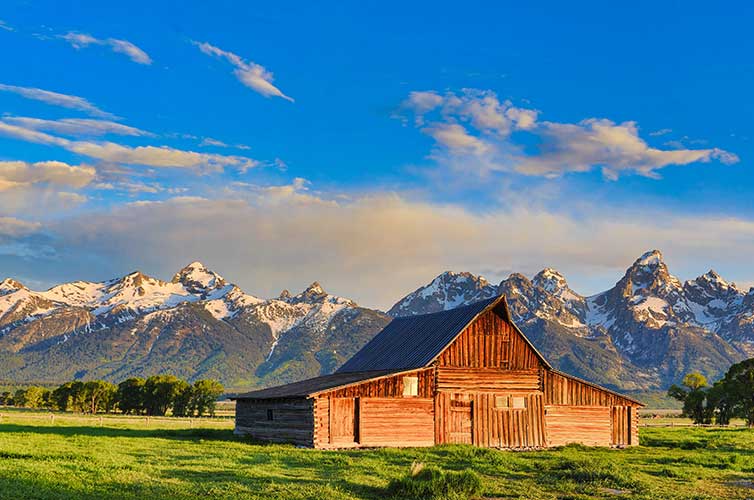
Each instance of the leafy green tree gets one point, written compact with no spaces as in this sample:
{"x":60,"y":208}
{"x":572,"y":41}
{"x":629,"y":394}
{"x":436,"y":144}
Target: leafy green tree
{"x":98,"y":396}
{"x":160,"y":392}
{"x":205,"y":394}
{"x":6,"y":398}
{"x":694,"y":398}
{"x":739,"y":382}
{"x":695,"y":381}
{"x":721,"y":400}
{"x":183,"y":406}
{"x":19,"y":398}
{"x":34,"y":397}
{"x":130,"y":395}
{"x":69,"y":396}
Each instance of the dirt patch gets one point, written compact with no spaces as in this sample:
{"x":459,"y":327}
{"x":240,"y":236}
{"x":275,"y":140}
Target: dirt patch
{"x":741,"y":483}
{"x":615,"y":491}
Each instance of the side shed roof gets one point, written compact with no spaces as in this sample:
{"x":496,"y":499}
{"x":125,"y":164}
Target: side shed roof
{"x":304,"y":388}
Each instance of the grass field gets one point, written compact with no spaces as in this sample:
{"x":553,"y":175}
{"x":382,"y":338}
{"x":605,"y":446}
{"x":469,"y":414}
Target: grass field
{"x":116,"y":457}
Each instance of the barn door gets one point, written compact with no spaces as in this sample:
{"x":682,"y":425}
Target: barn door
{"x":461,"y":427}
{"x":344,"y":418}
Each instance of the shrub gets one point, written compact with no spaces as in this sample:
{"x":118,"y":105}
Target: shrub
{"x":430,"y":483}
{"x":593,"y":471}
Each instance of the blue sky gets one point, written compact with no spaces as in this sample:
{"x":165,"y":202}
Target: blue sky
{"x":371,"y":146}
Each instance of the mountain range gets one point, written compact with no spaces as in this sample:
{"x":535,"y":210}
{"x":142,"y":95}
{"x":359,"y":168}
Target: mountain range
{"x":643,"y":334}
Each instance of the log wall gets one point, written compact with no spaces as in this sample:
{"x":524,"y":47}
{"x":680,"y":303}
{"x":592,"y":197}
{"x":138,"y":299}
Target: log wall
{"x":588,"y":425}
{"x":487,"y":380}
{"x":292,"y":420}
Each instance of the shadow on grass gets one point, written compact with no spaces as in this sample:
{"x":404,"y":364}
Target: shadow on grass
{"x":187,"y":434}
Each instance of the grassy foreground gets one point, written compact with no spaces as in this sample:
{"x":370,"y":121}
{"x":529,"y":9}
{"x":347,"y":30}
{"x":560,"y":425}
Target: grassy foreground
{"x":84,"y":458}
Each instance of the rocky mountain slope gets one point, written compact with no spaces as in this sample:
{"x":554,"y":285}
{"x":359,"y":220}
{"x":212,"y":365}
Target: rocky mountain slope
{"x":197,"y":325}
{"x":644,"y":333}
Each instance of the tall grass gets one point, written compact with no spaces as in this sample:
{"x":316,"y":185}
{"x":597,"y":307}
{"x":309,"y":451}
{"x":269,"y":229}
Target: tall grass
{"x":431,"y":483}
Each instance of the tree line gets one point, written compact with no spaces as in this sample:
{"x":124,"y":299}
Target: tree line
{"x":730,"y":397}
{"x":155,"y":395}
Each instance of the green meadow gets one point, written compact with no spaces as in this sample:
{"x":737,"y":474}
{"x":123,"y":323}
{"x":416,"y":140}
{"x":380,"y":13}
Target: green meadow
{"x":135,"y":458}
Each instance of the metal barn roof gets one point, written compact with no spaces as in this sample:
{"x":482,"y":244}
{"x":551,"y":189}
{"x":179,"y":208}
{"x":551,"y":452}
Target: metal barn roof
{"x":414,"y":341}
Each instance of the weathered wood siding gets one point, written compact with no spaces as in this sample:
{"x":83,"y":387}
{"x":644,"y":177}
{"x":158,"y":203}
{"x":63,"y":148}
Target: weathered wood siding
{"x":490,"y":342}
{"x":473,"y":418}
{"x":292,"y":420}
{"x":487,"y":380}
{"x":625,"y":426}
{"x":588,"y":425}
{"x":368,"y":422}
{"x":387,"y":386}
{"x":396,"y":422}
{"x":562,"y":390}
{"x":390,"y":420}
{"x":566,"y":397}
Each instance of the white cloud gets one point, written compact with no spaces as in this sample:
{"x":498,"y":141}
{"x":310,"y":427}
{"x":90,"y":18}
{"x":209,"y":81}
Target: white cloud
{"x":456,"y":138}
{"x":83,"y":40}
{"x":56,"y":99}
{"x":19,"y":174}
{"x":613,"y":147}
{"x":76,"y":126}
{"x":154,"y":156}
{"x":660,"y":132}
{"x":252,"y":75}
{"x":5,"y":26}
{"x":475,"y":129}
{"x":377,"y":248}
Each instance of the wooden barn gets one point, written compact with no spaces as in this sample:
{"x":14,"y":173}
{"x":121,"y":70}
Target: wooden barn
{"x":467,"y":375}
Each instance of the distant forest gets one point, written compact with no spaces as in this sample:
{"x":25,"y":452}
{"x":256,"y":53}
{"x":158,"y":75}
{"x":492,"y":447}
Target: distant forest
{"x":156,"y":395}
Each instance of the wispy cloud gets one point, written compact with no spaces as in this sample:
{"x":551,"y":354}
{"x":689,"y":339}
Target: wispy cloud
{"x":663,"y":131}
{"x":5,"y":26}
{"x":209,"y":141}
{"x":57,"y":99}
{"x":154,"y":156}
{"x":20,"y":174}
{"x":13,"y":227}
{"x":474,"y":129}
{"x":251,"y":74}
{"x":83,"y":40}
{"x":77,"y":126}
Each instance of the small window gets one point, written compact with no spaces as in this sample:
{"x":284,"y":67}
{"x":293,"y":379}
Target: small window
{"x":518,"y":402}
{"x":270,"y":415}
{"x":410,"y":386}
{"x":502,"y":402}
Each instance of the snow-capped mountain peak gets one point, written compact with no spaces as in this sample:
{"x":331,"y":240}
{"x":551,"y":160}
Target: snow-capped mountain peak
{"x":198,"y":279}
{"x":9,"y":285}
{"x":313,"y":294}
{"x":447,"y":291}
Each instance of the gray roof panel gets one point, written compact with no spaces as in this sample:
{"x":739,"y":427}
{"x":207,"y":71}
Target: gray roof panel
{"x":414,"y":341}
